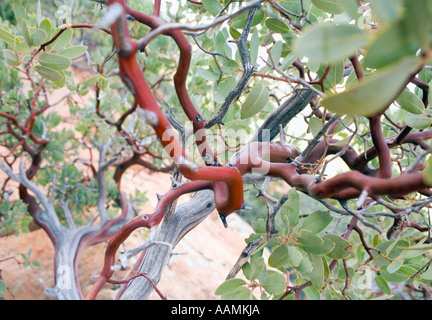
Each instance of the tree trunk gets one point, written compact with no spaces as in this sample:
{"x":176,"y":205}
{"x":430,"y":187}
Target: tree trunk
{"x":66,"y":283}
{"x":173,"y":228}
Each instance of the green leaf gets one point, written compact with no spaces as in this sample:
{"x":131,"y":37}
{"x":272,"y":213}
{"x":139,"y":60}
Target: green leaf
{"x":317,"y":221}
{"x":342,"y":248}
{"x":394,"y":266}
{"x":291,"y":208}
{"x":229,"y":66}
{"x":277,"y":26}
{"x":407,"y":270}
{"x":229,"y":286}
{"x":427,"y":176}
{"x":73,"y":52}
{"x":224,"y":88}
{"x":239,"y":21}
{"x":395,"y":277}
{"x":64,"y":38}
{"x":275,"y":53}
{"x":259,"y":226}
{"x":312,"y":293}
{"x":19,"y":10}
{"x":410,"y":102}
{"x":351,"y":8}
{"x":212,"y":6}
{"x":45,"y":25}
{"x":382,"y":284}
{"x":62,"y":82}
{"x":208,"y":74}
{"x":314,"y":244}
{"x":330,"y":6}
{"x":279,"y":257}
{"x":427,"y":275}
{"x":317,"y":273}
{"x":418,"y":121}
{"x":255,"y":101}
{"x":257,"y":266}
{"x":234,"y":33}
{"x":418,"y":15}
{"x":25,"y":33}
{"x":8,"y":37}
{"x":38,"y":37}
{"x":11,"y":58}
{"x":254,"y":47}
{"x":374,"y":93}
{"x":220,"y":41}
{"x":289,"y":60}
{"x":48,"y":73}
{"x":305,"y":265}
{"x":328,"y":43}
{"x":294,"y":256}
{"x":335,"y":74}
{"x":274,"y":283}
{"x":430,"y":93}
{"x":390,"y":45}
{"x":387,"y":10}
{"x":54,"y":61}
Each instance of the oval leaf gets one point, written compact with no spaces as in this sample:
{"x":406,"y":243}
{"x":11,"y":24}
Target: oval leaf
{"x":390,"y":46}
{"x":11,"y":58}
{"x":6,"y":36}
{"x":374,"y":93}
{"x":314,"y":244}
{"x":254,"y":47}
{"x":330,"y":43}
{"x":330,"y":6}
{"x":277,"y":26}
{"x":229,"y":286}
{"x":274,"y":283}
{"x":19,"y":10}
{"x":25,"y":33}
{"x":279,"y":257}
{"x":342,"y":248}
{"x":257,"y":265}
{"x":212,"y":6}
{"x":208,"y":74}
{"x":73,"y":52}
{"x":317,"y":221}
{"x":317,"y":274}
{"x":294,"y":256}
{"x":427,"y":176}
{"x":62,"y":82}
{"x":394,"y":266}
{"x":427,"y":275}
{"x":410,"y":102}
{"x":255,"y":101}
{"x":291,"y":208}
{"x":54,"y":61}
{"x":239,"y":21}
{"x":63,"y":39}
{"x":418,"y":121}
{"x":382,"y":284}
{"x":275,"y":53}
{"x":48,"y":73}
{"x":38,"y":37}
{"x":46,"y":26}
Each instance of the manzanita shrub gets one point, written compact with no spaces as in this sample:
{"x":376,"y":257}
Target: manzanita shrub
{"x":203,"y":90}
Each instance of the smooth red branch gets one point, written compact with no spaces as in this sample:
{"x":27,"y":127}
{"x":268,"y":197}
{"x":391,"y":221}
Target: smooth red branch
{"x":227,"y":181}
